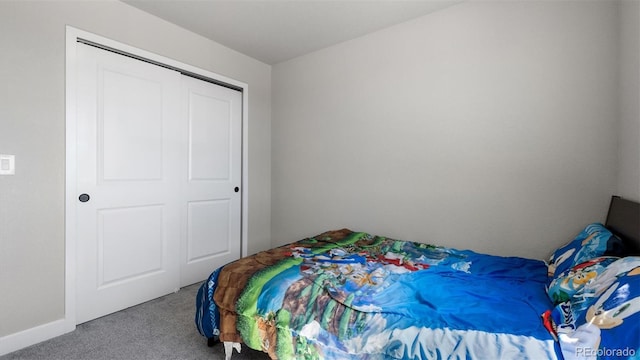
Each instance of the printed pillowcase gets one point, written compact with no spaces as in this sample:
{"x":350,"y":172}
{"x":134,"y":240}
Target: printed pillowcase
{"x":595,"y":240}
{"x":572,"y":280}
{"x":602,"y":320}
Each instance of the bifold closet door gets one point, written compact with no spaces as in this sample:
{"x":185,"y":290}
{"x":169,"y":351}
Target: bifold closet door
{"x":149,"y":203}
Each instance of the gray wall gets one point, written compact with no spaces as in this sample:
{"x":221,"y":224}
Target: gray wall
{"x":629,"y":127}
{"x":32,"y":126}
{"x":486,"y":125}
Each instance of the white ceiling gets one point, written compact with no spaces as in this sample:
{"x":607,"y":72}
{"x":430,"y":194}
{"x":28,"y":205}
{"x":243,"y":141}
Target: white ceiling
{"x":273,"y":31}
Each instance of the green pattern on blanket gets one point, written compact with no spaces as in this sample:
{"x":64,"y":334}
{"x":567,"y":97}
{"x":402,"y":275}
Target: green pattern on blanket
{"x":246,"y":307}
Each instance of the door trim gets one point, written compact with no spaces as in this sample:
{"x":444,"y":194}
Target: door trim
{"x":72,"y":37}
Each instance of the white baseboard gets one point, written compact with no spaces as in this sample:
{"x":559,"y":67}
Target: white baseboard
{"x":34,"y":335}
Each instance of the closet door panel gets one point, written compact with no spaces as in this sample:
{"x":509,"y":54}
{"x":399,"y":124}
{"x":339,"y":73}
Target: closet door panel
{"x":213,"y":200}
{"x":128,"y":227}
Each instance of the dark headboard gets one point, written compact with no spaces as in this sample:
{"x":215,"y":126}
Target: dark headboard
{"x":623,"y":220}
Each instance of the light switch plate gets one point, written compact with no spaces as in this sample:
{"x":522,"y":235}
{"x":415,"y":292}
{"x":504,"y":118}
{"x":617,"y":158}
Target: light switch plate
{"x":7,"y":164}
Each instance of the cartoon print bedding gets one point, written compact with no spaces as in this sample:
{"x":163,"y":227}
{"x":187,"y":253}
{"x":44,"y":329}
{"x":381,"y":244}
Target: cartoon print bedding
{"x":597,"y":297}
{"x":352,"y":295}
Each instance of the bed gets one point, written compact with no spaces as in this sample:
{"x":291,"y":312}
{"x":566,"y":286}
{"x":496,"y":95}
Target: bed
{"x":352,"y":295}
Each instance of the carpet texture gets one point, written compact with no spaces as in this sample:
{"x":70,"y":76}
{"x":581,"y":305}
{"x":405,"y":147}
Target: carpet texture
{"x":159,"y":329}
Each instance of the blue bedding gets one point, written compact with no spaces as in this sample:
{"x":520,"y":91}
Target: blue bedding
{"x":343,"y":295}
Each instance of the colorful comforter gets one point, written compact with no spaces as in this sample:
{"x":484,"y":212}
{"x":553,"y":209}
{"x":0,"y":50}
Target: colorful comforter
{"x":352,"y":295}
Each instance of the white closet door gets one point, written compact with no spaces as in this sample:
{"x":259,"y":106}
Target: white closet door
{"x":158,"y":174}
{"x":129,"y":154}
{"x":211,"y":210}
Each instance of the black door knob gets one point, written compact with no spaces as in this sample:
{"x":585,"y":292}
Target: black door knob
{"x":236,"y":189}
{"x":84,"y":197}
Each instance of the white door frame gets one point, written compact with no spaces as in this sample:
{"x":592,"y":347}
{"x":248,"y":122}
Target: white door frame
{"x":71,"y":194}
